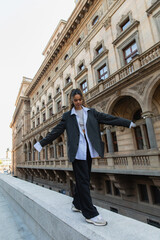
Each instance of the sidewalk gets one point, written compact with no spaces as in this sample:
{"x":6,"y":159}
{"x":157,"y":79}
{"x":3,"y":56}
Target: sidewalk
{"x":11,"y":226}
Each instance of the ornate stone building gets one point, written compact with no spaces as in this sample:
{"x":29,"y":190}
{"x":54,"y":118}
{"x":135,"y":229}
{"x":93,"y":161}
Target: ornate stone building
{"x":111,"y":50}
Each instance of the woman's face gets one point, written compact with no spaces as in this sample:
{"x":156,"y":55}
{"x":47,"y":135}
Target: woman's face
{"x":77,"y":101}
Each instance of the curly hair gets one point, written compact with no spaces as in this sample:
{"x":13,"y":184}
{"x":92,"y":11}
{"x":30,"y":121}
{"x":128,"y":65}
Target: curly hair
{"x":75,"y":92}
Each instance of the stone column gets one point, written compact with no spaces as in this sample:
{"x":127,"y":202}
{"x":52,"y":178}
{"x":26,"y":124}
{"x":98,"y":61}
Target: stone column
{"x":109,"y":140}
{"x":55,"y":151}
{"x":143,"y":137}
{"x":46,"y":153}
{"x":150,"y":129}
{"x":33,"y":155}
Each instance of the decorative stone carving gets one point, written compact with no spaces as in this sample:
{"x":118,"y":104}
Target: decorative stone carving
{"x":61,"y":75}
{"x":101,"y":106}
{"x":72,"y":62}
{"x":139,"y":88}
{"x":123,"y":18}
{"x":118,"y":93}
{"x":87,"y":45}
{"x":107,"y":23}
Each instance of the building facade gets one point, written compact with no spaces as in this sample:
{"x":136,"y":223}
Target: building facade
{"x":111,"y":50}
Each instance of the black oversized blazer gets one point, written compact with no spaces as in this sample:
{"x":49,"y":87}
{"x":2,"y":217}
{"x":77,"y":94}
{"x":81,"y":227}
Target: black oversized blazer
{"x":69,"y":123}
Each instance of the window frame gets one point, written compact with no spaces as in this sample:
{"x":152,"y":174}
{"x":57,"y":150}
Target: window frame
{"x":84,"y":90}
{"x":134,"y":53}
{"x":125,"y":23}
{"x":123,"y":45}
{"x":98,"y":66}
{"x":59,"y":108}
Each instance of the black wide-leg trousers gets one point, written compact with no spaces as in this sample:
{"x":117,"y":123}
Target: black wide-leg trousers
{"x":82,"y":198}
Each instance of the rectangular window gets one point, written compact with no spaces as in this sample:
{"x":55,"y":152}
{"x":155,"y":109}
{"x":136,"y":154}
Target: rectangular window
{"x":81,"y":67}
{"x":38,"y":121}
{"x":60,"y":150}
{"x":58,"y":90}
{"x":49,"y":97}
{"x":143,"y":193}
{"x":103,"y":72}
{"x":155,"y":194}
{"x":108,"y":187}
{"x":51,"y":151}
{"x":33,"y":125}
{"x":50,"y":111}
{"x":125,"y":24}
{"x":68,"y":80}
{"x":130,"y":51}
{"x":114,"y":139}
{"x":99,"y":49}
{"x":59,"y":106}
{"x":44,"y":117}
{"x":83,"y":86}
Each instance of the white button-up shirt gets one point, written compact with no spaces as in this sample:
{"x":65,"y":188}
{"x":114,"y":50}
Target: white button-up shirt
{"x":82,"y":148}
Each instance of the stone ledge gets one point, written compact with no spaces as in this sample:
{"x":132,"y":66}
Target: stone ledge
{"x":48,"y":216}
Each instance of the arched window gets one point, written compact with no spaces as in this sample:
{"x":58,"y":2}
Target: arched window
{"x":66,"y":57}
{"x":78,"y":41}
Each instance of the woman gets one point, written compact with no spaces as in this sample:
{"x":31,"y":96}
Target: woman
{"x":83,"y":143}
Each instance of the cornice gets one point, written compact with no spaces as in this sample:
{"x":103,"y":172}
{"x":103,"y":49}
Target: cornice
{"x":81,"y":73}
{"x":67,"y":85}
{"x":57,"y":95}
{"x":78,"y":13}
{"x":153,"y":7}
{"x":20,"y":101}
{"x":105,"y":52}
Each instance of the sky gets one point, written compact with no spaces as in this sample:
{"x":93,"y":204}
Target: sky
{"x":25,"y":29}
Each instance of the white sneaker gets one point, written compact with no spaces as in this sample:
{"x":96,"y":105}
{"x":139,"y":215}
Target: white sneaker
{"x":74,"y":209}
{"x":98,"y":221}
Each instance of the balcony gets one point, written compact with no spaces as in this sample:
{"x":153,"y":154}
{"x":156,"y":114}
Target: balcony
{"x":144,"y":163}
{"x":131,"y":70}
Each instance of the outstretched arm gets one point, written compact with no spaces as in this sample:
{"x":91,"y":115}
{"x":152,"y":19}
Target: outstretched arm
{"x":113,"y":120}
{"x":55,"y":133}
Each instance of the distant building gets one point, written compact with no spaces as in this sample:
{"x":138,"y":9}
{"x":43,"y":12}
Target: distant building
{"x":5,"y":163}
{"x":111,"y":50}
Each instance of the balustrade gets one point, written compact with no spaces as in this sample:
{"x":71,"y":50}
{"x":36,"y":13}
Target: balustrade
{"x":120,"y":161}
{"x":141,"y":160}
{"x":148,"y":162}
{"x":150,"y":55}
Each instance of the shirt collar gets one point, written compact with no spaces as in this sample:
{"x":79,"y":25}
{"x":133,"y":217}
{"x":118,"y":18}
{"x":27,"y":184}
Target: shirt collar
{"x":73,"y":111}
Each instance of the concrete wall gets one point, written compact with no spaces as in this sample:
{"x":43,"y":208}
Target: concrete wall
{"x":48,"y":215}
